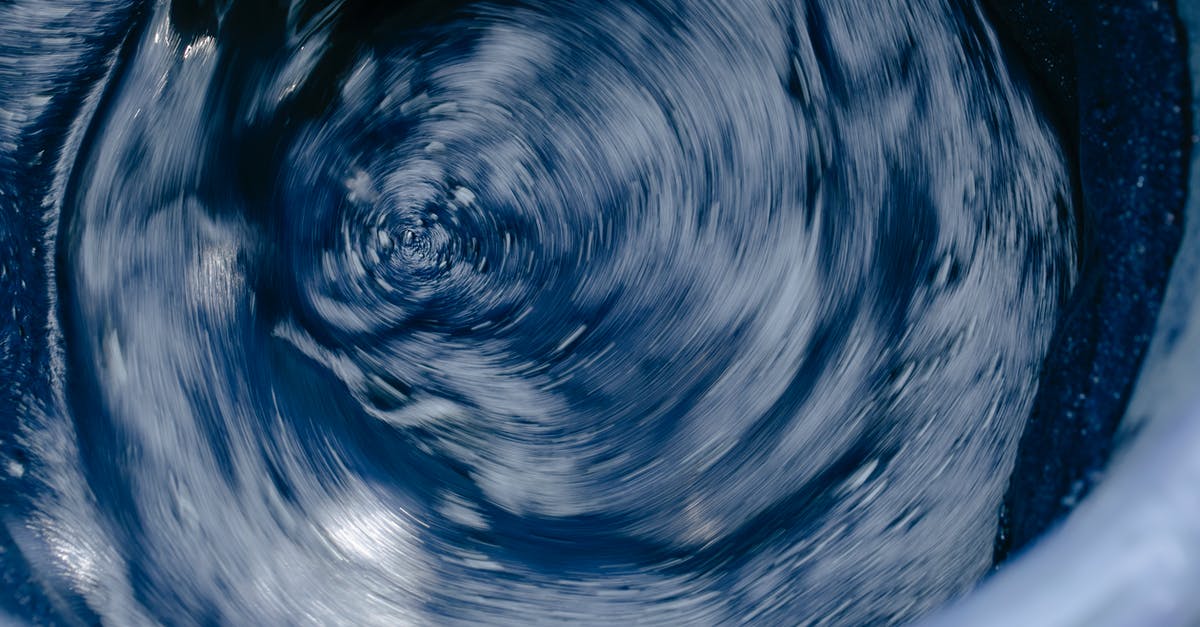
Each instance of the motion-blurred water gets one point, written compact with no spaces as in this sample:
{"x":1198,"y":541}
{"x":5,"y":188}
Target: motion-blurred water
{"x":506,"y":312}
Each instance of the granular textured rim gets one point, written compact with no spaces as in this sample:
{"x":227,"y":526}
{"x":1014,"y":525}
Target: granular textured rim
{"x":1129,"y":554}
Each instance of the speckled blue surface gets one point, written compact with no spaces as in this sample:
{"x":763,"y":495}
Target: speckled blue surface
{"x":1117,"y":74}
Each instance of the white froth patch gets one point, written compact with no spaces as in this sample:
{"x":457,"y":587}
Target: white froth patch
{"x":454,"y":508}
{"x":361,"y":187}
{"x":572,"y":338}
{"x":860,"y":476}
{"x":428,"y":410}
{"x":114,"y":357}
{"x":368,"y":532}
{"x":464,"y":196}
{"x":205,"y":45}
{"x":215,"y":279}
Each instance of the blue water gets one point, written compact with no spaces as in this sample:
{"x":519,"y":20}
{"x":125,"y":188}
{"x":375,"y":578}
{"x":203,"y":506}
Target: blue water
{"x":646,"y":311}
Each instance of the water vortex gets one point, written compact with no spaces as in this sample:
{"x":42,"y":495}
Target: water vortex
{"x":501,"y":312}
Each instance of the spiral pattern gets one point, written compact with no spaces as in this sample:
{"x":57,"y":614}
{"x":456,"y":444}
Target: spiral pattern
{"x":641,"y":311}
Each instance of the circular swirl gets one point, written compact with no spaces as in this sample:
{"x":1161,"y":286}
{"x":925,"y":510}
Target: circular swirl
{"x":595,"y":312}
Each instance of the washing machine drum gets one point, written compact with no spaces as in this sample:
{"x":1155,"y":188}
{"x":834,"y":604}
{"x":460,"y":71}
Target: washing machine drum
{"x":790,"y":312}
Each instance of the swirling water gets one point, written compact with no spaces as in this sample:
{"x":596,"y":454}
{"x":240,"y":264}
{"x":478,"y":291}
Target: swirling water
{"x":505,"y":312}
